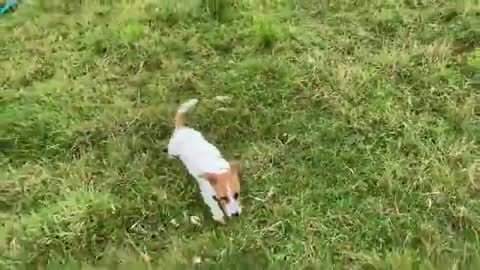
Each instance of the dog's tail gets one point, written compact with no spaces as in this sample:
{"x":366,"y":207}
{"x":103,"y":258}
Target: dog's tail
{"x":180,"y":118}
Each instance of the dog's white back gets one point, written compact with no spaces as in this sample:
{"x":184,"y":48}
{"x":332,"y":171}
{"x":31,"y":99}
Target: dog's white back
{"x":196,"y":153}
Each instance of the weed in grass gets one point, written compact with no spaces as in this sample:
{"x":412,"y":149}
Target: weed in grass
{"x":474,"y":63}
{"x":264,"y":32}
{"x":217,"y":9}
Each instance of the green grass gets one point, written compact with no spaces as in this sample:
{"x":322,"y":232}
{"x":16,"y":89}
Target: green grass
{"x":357,"y":123}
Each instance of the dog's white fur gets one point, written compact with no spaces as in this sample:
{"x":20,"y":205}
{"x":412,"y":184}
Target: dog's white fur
{"x":199,"y":156}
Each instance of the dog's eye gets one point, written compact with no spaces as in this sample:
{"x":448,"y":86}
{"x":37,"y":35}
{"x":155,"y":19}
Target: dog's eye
{"x":235,"y":195}
{"x":215,"y":198}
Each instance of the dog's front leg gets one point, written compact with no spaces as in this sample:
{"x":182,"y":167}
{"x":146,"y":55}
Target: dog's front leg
{"x":217,"y":213}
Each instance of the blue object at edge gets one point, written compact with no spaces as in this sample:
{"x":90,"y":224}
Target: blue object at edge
{"x":7,"y":6}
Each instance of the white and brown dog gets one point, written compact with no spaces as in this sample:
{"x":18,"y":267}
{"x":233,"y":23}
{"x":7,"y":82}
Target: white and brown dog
{"x":218,"y":179}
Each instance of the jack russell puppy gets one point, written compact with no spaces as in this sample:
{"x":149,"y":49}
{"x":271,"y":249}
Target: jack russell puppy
{"x":218,"y":179}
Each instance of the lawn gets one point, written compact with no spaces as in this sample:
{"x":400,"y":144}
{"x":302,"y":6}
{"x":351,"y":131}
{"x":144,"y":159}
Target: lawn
{"x":357,"y":124}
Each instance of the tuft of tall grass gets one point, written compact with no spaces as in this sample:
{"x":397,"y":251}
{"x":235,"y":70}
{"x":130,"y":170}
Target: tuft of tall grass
{"x":265,"y":32}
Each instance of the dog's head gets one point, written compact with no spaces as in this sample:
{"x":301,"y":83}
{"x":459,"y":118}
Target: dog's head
{"x":227,"y":189}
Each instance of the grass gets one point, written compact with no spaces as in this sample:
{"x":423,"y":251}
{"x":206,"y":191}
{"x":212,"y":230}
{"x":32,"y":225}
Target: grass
{"x":357,"y":123}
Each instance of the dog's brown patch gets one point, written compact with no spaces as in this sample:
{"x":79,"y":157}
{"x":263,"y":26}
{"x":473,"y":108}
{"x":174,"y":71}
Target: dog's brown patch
{"x":227,"y":184}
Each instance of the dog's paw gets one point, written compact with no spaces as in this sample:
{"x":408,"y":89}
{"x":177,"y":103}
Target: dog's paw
{"x":220,"y":220}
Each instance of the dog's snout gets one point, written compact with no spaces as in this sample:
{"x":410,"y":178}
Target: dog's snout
{"x":236,"y":214}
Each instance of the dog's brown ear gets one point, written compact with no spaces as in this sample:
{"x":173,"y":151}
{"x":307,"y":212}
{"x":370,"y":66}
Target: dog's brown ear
{"x":235,"y":166}
{"x":210,"y":177}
